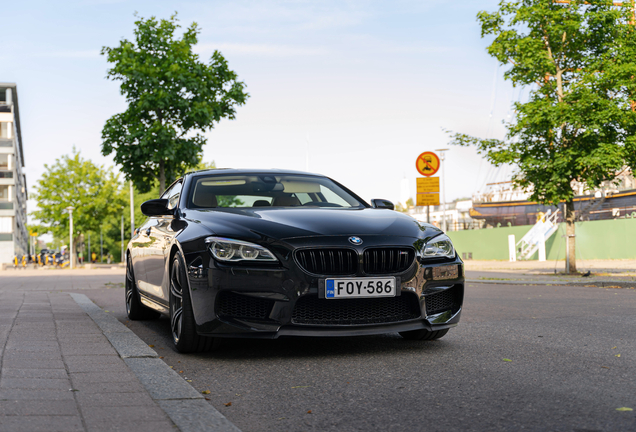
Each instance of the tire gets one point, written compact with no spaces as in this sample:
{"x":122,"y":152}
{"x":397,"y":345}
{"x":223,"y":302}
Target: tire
{"x":182,"y":325}
{"x":423,"y":335}
{"x":134,"y":308}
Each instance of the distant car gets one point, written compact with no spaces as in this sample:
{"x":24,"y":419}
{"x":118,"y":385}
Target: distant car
{"x":265,"y":253}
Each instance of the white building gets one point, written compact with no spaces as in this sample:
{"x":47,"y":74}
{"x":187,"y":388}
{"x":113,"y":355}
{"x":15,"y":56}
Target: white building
{"x":457,"y":215}
{"x":14,"y":238}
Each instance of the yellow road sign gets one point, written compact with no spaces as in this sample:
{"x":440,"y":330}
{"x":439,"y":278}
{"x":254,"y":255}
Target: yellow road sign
{"x":427,"y":163}
{"x":427,"y":199}
{"x":427,"y":184}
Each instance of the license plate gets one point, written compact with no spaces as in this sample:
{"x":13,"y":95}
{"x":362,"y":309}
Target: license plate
{"x":360,"y":287}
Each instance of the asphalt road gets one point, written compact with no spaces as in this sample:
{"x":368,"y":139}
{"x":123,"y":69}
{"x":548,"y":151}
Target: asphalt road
{"x":535,"y":358}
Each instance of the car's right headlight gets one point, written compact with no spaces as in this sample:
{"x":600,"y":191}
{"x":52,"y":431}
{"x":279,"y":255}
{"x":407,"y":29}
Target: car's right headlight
{"x":229,"y":250}
{"x":439,"y":247}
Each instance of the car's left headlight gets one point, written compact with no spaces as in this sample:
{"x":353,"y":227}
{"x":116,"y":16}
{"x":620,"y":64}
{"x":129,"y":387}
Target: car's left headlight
{"x":439,"y":247}
{"x":229,"y":250}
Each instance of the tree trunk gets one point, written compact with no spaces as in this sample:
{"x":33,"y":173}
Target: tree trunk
{"x":162,"y":177}
{"x":570,"y":218}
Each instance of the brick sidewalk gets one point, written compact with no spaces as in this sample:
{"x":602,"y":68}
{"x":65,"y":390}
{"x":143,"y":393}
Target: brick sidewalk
{"x":67,"y":365}
{"x":60,"y":373}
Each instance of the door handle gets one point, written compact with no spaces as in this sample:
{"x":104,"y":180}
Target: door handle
{"x":148,"y":231}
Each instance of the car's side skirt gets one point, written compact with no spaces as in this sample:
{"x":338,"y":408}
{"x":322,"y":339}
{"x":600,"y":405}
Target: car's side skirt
{"x":147,"y":301}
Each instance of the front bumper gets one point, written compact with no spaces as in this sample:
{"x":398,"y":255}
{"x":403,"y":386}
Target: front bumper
{"x":257,"y":302}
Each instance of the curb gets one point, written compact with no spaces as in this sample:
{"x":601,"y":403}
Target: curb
{"x":179,"y":400}
{"x":599,"y":284}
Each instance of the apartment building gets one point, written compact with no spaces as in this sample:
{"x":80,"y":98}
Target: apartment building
{"x":14,"y":238}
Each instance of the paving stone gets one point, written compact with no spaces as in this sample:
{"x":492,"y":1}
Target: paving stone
{"x":161,"y":381}
{"x":94,"y":348}
{"x":34,"y":373}
{"x":117,"y":418}
{"x":88,"y":363}
{"x":30,"y":394}
{"x":131,"y":425}
{"x":49,"y":423}
{"x":36,"y":363}
{"x":31,"y":355}
{"x":70,"y":316}
{"x":29,"y":338}
{"x":128,"y":344}
{"x":102,"y":377}
{"x":83,"y":338}
{"x":112,"y":387}
{"x":44,"y":348}
{"x":114,"y":399}
{"x":26,"y":324}
{"x":35,"y":383}
{"x":38,"y":407}
{"x":71,"y":327}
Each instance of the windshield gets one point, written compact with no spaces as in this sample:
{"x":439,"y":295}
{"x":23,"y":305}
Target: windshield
{"x":219,"y":191}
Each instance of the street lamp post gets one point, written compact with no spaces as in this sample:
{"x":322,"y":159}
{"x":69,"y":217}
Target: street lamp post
{"x":70,"y":209}
{"x":122,"y":234}
{"x":442,"y":157}
{"x":132,"y":211}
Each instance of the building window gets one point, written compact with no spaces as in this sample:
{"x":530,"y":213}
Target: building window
{"x":6,"y":224}
{"x":5,"y":130}
{"x":4,"y":193}
{"x":4,"y":161}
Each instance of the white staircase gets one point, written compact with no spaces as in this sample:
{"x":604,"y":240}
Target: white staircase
{"x":537,"y":236}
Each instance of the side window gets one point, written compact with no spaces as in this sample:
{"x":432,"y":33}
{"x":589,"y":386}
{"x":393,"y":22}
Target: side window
{"x":173,"y":195}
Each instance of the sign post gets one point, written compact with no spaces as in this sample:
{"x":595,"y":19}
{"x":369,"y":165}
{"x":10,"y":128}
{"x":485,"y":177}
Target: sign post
{"x":427,"y":164}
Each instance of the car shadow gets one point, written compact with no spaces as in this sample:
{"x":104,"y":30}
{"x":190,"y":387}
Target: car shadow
{"x":321,"y":347}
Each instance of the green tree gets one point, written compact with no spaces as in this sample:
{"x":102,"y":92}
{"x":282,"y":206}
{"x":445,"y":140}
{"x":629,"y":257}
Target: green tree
{"x":579,"y":124}
{"x":172,"y":97}
{"x":92,"y":190}
{"x":407,"y":205}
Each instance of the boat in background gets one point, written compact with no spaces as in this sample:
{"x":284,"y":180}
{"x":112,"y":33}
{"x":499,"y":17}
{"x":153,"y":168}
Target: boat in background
{"x":504,"y":205}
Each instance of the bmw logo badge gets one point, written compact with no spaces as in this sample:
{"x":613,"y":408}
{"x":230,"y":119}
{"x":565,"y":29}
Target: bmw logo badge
{"x":355,"y":240}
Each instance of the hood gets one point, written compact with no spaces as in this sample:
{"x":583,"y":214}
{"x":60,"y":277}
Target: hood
{"x":285,"y":223}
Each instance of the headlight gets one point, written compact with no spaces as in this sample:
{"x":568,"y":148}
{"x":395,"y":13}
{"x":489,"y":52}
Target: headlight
{"x":440,"y":246}
{"x":228,"y":250}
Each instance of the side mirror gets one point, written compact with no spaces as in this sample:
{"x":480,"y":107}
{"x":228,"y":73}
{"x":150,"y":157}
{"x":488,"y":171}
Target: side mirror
{"x":156,"y":207}
{"x":382,"y":204}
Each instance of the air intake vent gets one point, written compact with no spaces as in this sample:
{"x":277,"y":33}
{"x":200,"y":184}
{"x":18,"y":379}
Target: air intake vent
{"x":311,"y":310}
{"x":442,"y":301}
{"x":233,"y":305}
{"x":387,"y":260}
{"x":328,"y":262}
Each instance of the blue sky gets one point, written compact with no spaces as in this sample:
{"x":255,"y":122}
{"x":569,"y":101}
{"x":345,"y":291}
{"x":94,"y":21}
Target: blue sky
{"x":362,"y":87}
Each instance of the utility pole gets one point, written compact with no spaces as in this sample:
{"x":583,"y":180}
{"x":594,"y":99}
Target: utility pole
{"x":441,"y":158}
{"x":101,"y":246}
{"x":70,"y":209}
{"x":307,"y":154}
{"x":132,"y":211}
{"x":122,"y":234}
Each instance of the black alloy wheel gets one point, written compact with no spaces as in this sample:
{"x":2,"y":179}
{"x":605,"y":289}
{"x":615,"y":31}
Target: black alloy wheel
{"x":182,"y":325}
{"x":424,"y":335}
{"x":134,"y":308}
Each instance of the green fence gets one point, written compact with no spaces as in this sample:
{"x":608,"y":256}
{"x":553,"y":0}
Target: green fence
{"x":606,"y":239}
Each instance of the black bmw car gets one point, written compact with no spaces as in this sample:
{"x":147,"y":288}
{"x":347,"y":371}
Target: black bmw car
{"x":270,"y":253}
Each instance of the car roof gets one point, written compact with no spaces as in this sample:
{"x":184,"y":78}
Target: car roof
{"x":251,"y":171}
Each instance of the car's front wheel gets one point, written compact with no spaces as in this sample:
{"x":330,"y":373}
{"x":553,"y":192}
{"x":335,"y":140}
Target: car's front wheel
{"x":423,"y":334}
{"x":184,"y":335}
{"x":134,"y":308}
